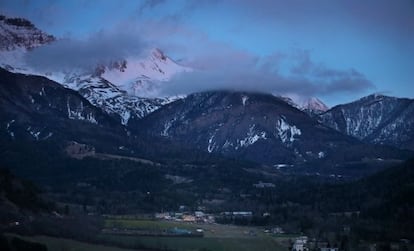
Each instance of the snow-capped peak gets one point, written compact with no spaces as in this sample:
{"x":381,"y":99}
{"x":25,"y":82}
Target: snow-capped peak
{"x":17,"y":36}
{"x":20,"y":33}
{"x":119,"y":87}
{"x":158,"y":54}
{"x":314,"y":104}
{"x":308,"y":104}
{"x":143,"y":77}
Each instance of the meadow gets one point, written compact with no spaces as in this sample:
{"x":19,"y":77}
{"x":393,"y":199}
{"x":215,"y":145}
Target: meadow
{"x":216,"y":236}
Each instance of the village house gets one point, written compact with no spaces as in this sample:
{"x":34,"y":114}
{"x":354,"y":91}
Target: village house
{"x":189,"y":218}
{"x":300,"y":244}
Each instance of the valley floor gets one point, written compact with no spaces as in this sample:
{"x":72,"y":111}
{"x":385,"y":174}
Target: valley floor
{"x":215,"y":237}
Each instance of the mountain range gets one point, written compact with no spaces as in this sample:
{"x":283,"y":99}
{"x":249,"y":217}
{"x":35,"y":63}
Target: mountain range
{"x":109,"y":106}
{"x":255,"y":126}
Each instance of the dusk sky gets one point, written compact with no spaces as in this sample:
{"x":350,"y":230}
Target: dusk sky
{"x":335,"y":50}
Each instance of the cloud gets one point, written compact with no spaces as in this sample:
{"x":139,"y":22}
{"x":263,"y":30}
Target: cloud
{"x":216,"y":65}
{"x":100,"y":48}
{"x":238,"y":70}
{"x":330,"y":80}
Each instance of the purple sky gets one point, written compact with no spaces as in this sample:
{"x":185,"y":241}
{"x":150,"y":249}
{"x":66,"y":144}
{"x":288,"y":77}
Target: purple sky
{"x":335,"y":50}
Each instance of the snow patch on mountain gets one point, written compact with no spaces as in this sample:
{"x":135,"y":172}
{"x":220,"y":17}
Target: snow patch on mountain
{"x":227,"y":144}
{"x":211,"y":144}
{"x":244,"y":99}
{"x":9,"y":131}
{"x":252,"y":137}
{"x":287,"y":133}
{"x":78,"y":113}
{"x":35,"y":134}
{"x":321,"y":155}
{"x":167,"y":127}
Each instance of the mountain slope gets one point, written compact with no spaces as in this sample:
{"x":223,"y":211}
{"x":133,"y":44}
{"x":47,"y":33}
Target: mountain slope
{"x":257,"y":127}
{"x":142,"y":76}
{"x":121,"y":88}
{"x":35,"y":108}
{"x":124,"y":88}
{"x":313,"y":106}
{"x":111,"y":99}
{"x":376,"y":119}
{"x":18,"y":196}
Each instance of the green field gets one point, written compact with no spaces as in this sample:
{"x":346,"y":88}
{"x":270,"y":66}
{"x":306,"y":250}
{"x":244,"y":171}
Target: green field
{"x":162,"y":243}
{"x":60,"y":244}
{"x":147,"y":224}
{"x":216,"y":237}
{"x":207,"y":243}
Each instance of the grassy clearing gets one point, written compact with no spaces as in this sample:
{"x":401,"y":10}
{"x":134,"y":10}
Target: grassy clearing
{"x":190,"y":244}
{"x":60,"y":244}
{"x":210,"y":230}
{"x":147,"y":224}
{"x":216,"y":237}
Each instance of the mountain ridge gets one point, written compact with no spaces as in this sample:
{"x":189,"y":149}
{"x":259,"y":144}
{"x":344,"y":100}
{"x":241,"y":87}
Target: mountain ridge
{"x":255,"y":126}
{"x":115,"y":88}
{"x":376,"y":119}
